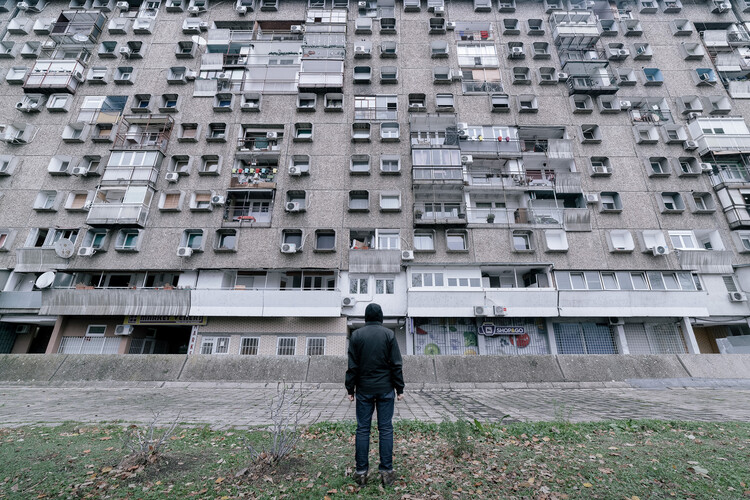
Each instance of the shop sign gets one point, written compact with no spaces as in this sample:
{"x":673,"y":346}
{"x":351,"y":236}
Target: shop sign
{"x":491,"y":330}
{"x":166,"y":320}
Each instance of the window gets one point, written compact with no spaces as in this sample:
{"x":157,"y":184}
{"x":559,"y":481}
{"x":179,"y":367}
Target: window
{"x":249,"y":346}
{"x":358,"y":286}
{"x":128,"y":240}
{"x":360,"y":164}
{"x":600,"y":165}
{"x":226,"y":240}
{"x":59,"y":102}
{"x":610,"y":201}
{"x":188,"y":132}
{"x":424,"y":241}
{"x":6,"y":239}
{"x":522,"y":241}
{"x":77,"y":200}
{"x":360,"y":132}
{"x":168,"y":103}
{"x":201,"y":201}
{"x":672,"y":202}
{"x":171,"y":201}
{"x":388,"y":239}
{"x":215,"y":345}
{"x":390,"y":164}
{"x":303,"y":132}
{"x":621,"y":241}
{"x":444,"y":102}
{"x":46,"y":200}
{"x":180,"y":164}
{"x":292,"y":237}
{"x":384,"y":286}
{"x":556,"y":239}
{"x":217,"y":132}
{"x":210,"y":165}
{"x":97,"y":74}
{"x":744,"y":239}
{"x":582,"y":103}
{"x":96,"y":330}
{"x":192,"y":238}
{"x":456,"y":241}
{"x":124,"y":75}
{"x":658,"y":167}
{"x":388,"y":74}
{"x":590,"y":133}
{"x":223,"y":102}
{"x":316,"y":346}
{"x":389,"y":132}
{"x":427,"y":279}
{"x":683,"y":240}
{"x":378,"y":107}
{"x":95,"y":238}
{"x":703,"y":202}
{"x":286,"y":346}
{"x":390,"y":201}
{"x":359,"y":200}
{"x":325,"y":240}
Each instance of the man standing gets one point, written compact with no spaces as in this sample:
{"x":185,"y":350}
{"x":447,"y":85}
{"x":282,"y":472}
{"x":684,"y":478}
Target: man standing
{"x":373,"y":374}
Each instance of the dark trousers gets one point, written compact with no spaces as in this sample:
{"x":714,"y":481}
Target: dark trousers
{"x":366,"y":404}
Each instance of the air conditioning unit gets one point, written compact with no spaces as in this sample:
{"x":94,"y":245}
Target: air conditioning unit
{"x":482,"y":311}
{"x":203,"y":26}
{"x":86,"y":251}
{"x":298,"y":170}
{"x":692,"y":115}
{"x":562,"y":77}
{"x":706,"y":167}
{"x":463,"y":129}
{"x":407,"y":255}
{"x":723,"y":6}
{"x":705,"y":77}
{"x":439,"y":11}
{"x":293,"y":206}
{"x":288,"y":248}
{"x":190,"y":75}
{"x":467,"y":159}
{"x":360,"y":50}
{"x":297,"y":29}
{"x":23,"y":106}
{"x":660,"y":250}
{"x":123,"y":5}
{"x":623,"y":52}
{"x":691,"y":145}
{"x":456,"y":77}
{"x":737,"y":297}
{"x":592,"y":198}
{"x":516,"y":50}
{"x":79,"y":171}
{"x":241,"y":10}
{"x":450,"y":25}
{"x":125,"y":51}
{"x":615,"y":321}
{"x":217,"y":200}
{"x":193,"y":10}
{"x":247,"y":105}
{"x":22,"y":6}
{"x":625,"y":104}
{"x":348,"y":301}
{"x":362,"y":4}
{"x":49,"y":44}
{"x":500,"y":310}
{"x":416,"y":105}
{"x":184,"y":252}
{"x":172,"y":177}
{"x":272,"y":135}
{"x":123,"y":329}
{"x":78,"y":76}
{"x":222,"y":76}
{"x":23,"y":329}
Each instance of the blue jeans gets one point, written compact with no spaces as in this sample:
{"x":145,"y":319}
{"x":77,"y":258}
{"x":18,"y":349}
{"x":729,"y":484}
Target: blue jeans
{"x":366,"y":404}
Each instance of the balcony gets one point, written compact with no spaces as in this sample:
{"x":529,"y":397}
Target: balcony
{"x":738,"y":216}
{"x":369,"y":261}
{"x":144,"y":132}
{"x":20,"y":302}
{"x":269,"y":146}
{"x":574,"y":29}
{"x":130,"y":175}
{"x":117,"y":214}
{"x":438,"y":175}
{"x":37,"y":260}
{"x":52,"y":76}
{"x":722,"y":143}
{"x":491,"y":146}
{"x":248,"y":208}
{"x":592,"y":85}
{"x":646,"y":303}
{"x":78,"y":27}
{"x":570,"y":219}
{"x":734,"y":176}
{"x":115,"y":302}
{"x":481,"y":86}
{"x":266,"y":303}
{"x":439,"y":213}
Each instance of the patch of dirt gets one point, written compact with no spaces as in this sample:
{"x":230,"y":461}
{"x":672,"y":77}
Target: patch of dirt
{"x":138,"y":468}
{"x":262,"y":470}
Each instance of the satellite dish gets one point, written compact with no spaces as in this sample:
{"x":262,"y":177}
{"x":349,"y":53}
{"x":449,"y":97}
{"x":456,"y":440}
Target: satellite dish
{"x":64,"y":248}
{"x":199,"y":40}
{"x":45,"y":280}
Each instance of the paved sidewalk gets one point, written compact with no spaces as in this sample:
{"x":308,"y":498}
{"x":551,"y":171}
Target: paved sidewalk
{"x":223,"y":405}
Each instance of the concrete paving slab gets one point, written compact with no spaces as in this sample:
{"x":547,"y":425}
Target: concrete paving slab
{"x":246,"y":368}
{"x":497,"y":369}
{"x":717,"y":365}
{"x":29,"y":367}
{"x":613,"y":367}
{"x":140,"y":367}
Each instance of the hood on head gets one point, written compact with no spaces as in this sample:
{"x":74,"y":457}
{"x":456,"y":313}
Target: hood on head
{"x":373,"y":312}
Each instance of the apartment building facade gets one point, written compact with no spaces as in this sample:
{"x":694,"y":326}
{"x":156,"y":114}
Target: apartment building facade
{"x":519,"y":177}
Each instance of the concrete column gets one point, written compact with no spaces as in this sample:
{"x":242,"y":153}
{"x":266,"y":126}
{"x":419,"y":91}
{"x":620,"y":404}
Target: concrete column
{"x":409,"y":340}
{"x":622,"y":342}
{"x":56,"y":337}
{"x":551,"y":337}
{"x":689,"y":335}
{"x":481,"y":344}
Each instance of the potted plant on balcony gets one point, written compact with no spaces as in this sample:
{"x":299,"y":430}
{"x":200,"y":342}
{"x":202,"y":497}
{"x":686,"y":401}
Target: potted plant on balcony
{"x":490,"y":218}
{"x":417,"y":214}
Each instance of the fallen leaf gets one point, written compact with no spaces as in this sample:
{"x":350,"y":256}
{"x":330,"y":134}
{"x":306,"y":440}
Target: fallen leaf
{"x":106,"y":469}
{"x":587,"y":485}
{"x":219,"y":480}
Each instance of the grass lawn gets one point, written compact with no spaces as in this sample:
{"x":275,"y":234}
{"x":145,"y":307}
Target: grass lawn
{"x":552,"y":460}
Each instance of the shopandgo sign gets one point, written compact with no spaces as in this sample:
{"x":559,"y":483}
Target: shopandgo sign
{"x":518,"y":335}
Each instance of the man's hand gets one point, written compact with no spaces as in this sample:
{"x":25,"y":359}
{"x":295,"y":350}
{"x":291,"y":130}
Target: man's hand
{"x":351,"y":397}
{"x":400,"y":397}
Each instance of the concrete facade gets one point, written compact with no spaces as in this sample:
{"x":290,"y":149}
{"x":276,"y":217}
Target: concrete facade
{"x":538,"y":177}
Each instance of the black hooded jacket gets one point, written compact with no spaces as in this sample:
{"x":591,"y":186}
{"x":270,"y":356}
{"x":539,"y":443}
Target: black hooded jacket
{"x":374,"y":357}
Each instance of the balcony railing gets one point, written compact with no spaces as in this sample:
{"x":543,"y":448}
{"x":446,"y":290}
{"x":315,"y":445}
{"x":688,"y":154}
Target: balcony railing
{"x":572,"y":219}
{"x":130,"y":175}
{"x":439,"y":213}
{"x":732,"y":176}
{"x":257,"y":144}
{"x":738,"y":216}
{"x":55,"y":76}
{"x":592,"y":86}
{"x":151,"y":131}
{"x":111,"y":214}
{"x":142,"y":140}
{"x":438,"y":174}
{"x":723,"y":143}
{"x":482,"y":86}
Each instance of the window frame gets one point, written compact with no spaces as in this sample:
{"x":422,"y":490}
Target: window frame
{"x":279,"y":346}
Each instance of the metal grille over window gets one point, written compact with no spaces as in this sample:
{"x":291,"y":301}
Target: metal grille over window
{"x":316,"y":346}
{"x":89,"y":345}
{"x":664,"y":338}
{"x":249,"y":346}
{"x":287,"y":346}
{"x":584,"y":338}
{"x":435,"y":336}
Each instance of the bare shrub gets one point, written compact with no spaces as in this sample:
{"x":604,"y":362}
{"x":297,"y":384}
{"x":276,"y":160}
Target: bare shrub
{"x":147,"y":444}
